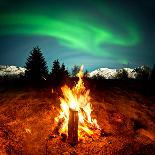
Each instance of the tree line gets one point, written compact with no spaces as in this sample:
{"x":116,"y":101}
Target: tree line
{"x":37,"y":71}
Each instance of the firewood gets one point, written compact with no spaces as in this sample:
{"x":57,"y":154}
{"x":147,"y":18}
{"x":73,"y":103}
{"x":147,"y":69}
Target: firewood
{"x":73,"y":127}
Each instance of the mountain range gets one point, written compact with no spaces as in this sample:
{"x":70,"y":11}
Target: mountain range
{"x":107,"y":73}
{"x":111,"y":73}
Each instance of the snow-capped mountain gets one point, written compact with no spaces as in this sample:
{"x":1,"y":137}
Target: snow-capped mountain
{"x":105,"y":72}
{"x":111,"y":73}
{"x":11,"y":70}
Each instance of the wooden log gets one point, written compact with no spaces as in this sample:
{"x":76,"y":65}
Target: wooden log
{"x":73,"y":127}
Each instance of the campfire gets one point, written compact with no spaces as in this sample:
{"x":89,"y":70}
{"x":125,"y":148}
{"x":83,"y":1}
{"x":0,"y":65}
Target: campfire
{"x":74,"y":121}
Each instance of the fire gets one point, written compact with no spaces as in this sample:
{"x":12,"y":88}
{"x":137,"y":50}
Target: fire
{"x":77,"y":99}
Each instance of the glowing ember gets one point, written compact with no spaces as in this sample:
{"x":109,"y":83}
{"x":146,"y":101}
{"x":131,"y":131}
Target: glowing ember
{"x":77,"y":99}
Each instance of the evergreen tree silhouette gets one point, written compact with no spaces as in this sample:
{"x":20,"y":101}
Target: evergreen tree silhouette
{"x":36,"y":68}
{"x":56,"y":69}
{"x":75,"y":70}
{"x":64,"y":71}
{"x":59,"y":73}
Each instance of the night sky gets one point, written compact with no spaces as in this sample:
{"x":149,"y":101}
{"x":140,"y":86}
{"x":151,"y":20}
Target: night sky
{"x":96,"y":33}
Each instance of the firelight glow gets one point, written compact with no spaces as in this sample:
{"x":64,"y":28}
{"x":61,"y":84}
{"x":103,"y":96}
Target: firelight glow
{"x":77,"y":99}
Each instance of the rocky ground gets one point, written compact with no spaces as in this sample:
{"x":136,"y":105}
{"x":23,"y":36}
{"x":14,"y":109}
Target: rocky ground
{"x":127,"y":119}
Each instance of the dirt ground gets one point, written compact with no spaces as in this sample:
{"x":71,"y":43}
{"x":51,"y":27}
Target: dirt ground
{"x":127,"y":119}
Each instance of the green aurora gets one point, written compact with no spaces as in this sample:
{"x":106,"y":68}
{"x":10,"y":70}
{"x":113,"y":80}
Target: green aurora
{"x":95,"y":32}
{"x":80,"y":35}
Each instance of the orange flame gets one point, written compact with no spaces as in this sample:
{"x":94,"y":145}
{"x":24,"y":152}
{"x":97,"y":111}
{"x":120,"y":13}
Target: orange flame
{"x":78,"y":99}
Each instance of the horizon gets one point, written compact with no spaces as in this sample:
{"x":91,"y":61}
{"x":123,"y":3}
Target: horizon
{"x":70,"y":69}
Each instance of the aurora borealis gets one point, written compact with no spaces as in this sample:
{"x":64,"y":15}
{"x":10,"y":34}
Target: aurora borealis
{"x":93,"y":33}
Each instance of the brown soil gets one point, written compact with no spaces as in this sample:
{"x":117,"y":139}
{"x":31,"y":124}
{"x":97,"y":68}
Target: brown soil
{"x":27,"y":117}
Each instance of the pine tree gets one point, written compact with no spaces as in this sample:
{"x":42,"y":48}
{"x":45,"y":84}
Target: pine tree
{"x":64,"y":71}
{"x":59,"y":73}
{"x":56,"y":74}
{"x":56,"y":69}
{"x":36,"y":68}
{"x":75,"y":70}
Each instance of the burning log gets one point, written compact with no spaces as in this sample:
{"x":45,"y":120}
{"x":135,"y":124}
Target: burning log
{"x":73,"y":127}
{"x":75,"y":113}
